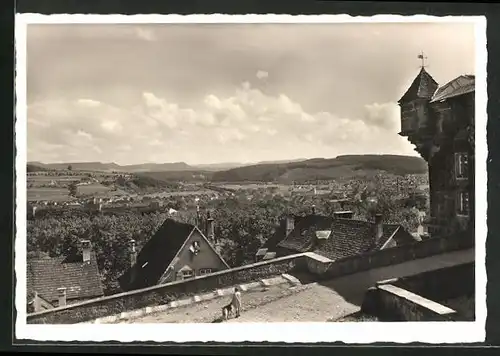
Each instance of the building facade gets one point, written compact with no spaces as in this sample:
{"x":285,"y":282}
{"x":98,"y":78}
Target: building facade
{"x":177,"y":251}
{"x":439,"y":121}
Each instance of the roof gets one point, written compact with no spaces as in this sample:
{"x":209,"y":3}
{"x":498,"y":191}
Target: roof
{"x":422,"y":87}
{"x":157,"y":254}
{"x":459,"y":86}
{"x":279,"y":234}
{"x":261,"y":252}
{"x":269,"y":256}
{"x":81,"y":280}
{"x":347,"y":237}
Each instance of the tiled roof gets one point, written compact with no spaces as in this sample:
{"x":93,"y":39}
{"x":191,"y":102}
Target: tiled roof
{"x":347,"y":238}
{"x":156,"y":255}
{"x":459,"y":86}
{"x":81,"y":280}
{"x":278,"y":235}
{"x":422,"y":87}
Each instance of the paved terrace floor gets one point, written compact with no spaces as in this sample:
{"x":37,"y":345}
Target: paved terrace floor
{"x":309,"y":302}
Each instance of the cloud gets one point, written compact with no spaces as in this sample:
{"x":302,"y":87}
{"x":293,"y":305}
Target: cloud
{"x":262,"y":74}
{"x":145,"y":34}
{"x":386,"y":115}
{"x":88,"y":102}
{"x":247,"y":125}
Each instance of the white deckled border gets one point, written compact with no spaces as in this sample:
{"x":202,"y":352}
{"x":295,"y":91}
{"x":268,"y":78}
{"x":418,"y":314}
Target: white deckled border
{"x":366,"y":332}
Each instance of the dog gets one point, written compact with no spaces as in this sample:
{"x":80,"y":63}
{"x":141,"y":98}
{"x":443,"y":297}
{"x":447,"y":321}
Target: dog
{"x":227,"y":311}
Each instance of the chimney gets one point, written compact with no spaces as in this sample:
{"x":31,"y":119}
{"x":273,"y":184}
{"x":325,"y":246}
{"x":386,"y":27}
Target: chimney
{"x":133,"y":253}
{"x":343,"y":214}
{"x":289,"y":224}
{"x":198,"y":216}
{"x":313,"y":209}
{"x":36,"y":303}
{"x":379,"y":227}
{"x":61,"y":292}
{"x":210,"y":228}
{"x":86,"y":251}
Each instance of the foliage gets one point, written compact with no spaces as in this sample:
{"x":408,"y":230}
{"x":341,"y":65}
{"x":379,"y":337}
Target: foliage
{"x":241,"y":225}
{"x":144,"y":182}
{"x":109,"y":235}
{"x":34,"y":168}
{"x":73,"y":189}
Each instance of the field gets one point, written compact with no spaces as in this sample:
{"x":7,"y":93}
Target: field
{"x":179,"y":194}
{"x":45,"y":180}
{"x":54,"y":194}
{"x":93,"y":189}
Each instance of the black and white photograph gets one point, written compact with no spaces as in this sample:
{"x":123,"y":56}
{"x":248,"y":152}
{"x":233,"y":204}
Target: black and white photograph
{"x":251,"y":178}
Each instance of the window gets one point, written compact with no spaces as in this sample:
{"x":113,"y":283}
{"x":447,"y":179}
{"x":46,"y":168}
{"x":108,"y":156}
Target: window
{"x":195,"y":248}
{"x":461,"y":165}
{"x":407,"y":116}
{"x":187,"y":273}
{"x":204,"y":271}
{"x":463,"y":203}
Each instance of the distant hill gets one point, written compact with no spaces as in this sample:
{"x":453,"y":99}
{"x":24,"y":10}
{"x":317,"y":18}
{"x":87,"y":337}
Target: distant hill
{"x":35,"y":167}
{"x":108,"y":167}
{"x":184,"y":176}
{"x":79,"y":166}
{"x":285,"y":171}
{"x":217,"y":166}
{"x":280,"y":162}
{"x":156,"y":167}
{"x":324,"y":169}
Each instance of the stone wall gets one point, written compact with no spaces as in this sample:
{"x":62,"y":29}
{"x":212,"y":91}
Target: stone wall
{"x":391,"y":303}
{"x":163,"y":294}
{"x":397,"y":255}
{"x":323,"y":269}
{"x":442,"y":284}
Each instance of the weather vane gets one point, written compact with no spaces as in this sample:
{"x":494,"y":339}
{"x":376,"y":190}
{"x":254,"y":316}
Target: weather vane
{"x":423,"y":58}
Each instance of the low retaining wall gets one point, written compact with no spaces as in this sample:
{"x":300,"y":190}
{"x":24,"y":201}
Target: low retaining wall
{"x":391,"y":303}
{"x":163,"y":294}
{"x":397,"y":255}
{"x":442,"y":284}
{"x":323,"y":269}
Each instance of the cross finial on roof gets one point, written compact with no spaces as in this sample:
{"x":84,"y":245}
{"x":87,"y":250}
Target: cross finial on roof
{"x":422,"y":57}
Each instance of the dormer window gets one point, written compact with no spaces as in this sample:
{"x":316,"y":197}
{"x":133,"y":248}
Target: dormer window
{"x":461,"y":165}
{"x":195,"y":248}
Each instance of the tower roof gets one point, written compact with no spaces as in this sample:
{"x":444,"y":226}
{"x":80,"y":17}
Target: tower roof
{"x":423,"y":87}
{"x":461,"y":85}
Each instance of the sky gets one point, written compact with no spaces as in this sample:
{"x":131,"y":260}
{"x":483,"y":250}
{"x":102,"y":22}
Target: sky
{"x":212,"y":93}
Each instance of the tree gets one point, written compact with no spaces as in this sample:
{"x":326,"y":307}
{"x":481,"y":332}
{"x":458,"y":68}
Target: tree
{"x":70,"y":167}
{"x":73,"y":189}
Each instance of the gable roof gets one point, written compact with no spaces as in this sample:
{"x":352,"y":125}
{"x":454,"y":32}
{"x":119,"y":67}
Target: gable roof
{"x":81,"y":280}
{"x":158,"y":253}
{"x":459,"y":86}
{"x":347,"y":237}
{"x":422,"y":87}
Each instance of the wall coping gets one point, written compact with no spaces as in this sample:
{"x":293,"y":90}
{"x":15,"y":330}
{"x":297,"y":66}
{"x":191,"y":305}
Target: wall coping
{"x":166,"y":285}
{"x":441,"y":242}
{"x":417,"y":299}
{"x":318,"y":257}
